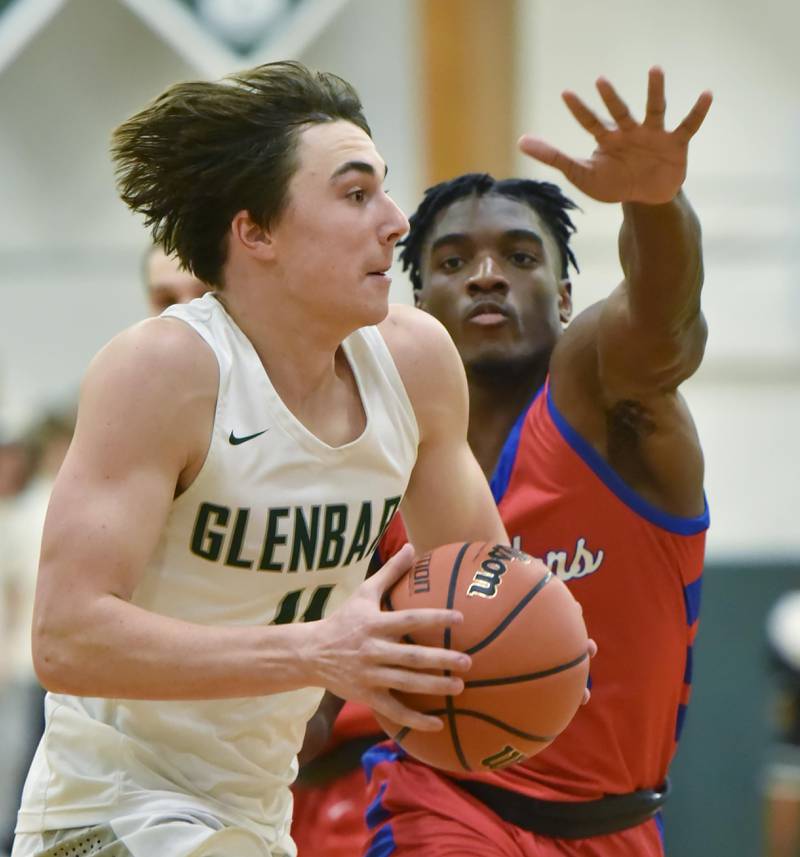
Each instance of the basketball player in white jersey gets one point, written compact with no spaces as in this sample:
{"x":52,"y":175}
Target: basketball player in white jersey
{"x":234,"y":464}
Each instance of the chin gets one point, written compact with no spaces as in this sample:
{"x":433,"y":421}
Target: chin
{"x":373,"y":309}
{"x":366,"y":313}
{"x":506,"y":364}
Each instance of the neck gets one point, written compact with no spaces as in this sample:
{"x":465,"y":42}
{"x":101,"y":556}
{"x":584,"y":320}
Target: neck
{"x":498,"y":391}
{"x":297,"y":348}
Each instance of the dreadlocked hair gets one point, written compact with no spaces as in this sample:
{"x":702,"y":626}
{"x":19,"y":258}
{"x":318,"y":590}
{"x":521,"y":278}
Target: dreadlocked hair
{"x":544,"y":198}
{"x":203,"y":151}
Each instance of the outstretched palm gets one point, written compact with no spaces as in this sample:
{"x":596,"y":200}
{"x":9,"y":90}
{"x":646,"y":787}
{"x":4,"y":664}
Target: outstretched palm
{"x":633,"y":161}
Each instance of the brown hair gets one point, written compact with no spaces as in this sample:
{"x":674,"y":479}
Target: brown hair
{"x":203,"y":151}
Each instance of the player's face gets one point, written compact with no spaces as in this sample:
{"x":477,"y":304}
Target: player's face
{"x":336,"y":238}
{"x":168,"y":284}
{"x":491,"y":274}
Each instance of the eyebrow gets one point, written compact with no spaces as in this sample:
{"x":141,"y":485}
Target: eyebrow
{"x":358,"y":166}
{"x":461,"y":237}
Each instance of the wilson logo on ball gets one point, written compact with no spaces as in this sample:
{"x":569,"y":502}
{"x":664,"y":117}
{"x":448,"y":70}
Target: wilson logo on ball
{"x":420,"y":579}
{"x":503,"y":758}
{"x":488,"y":578}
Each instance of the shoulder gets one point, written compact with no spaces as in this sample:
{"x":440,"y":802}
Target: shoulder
{"x":154,"y":386}
{"x":418,"y":341}
{"x":428,"y":362}
{"x":157,"y":355}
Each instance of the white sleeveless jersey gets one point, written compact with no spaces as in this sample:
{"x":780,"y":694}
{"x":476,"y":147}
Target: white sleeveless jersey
{"x":277,"y":527}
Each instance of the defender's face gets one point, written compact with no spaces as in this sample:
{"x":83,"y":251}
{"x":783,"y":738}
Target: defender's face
{"x":336,"y":238}
{"x":491,"y":274}
{"x":168,"y":283}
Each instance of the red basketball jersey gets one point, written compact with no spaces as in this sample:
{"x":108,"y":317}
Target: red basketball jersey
{"x":637,"y":572}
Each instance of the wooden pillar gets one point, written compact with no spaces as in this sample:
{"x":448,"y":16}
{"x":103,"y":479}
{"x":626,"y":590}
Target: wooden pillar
{"x":468,"y":55}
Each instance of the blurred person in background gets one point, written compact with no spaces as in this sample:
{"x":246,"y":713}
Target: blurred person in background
{"x":596,"y":466}
{"x":16,"y":464}
{"x":22,"y":695}
{"x":166,"y":282}
{"x":15,"y":470}
{"x":782,"y":777}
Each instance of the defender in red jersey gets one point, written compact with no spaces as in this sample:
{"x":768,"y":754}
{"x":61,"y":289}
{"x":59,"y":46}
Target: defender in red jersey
{"x":596,"y":467}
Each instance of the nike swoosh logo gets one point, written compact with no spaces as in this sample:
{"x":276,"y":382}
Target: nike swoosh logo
{"x":235,"y":441}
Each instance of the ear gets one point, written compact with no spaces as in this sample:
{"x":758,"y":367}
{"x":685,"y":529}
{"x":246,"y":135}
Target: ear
{"x":256,"y":240}
{"x":564,"y":300}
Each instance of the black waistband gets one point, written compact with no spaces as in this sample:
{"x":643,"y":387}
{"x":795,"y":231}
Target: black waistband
{"x":568,"y":819}
{"x":341,"y":760}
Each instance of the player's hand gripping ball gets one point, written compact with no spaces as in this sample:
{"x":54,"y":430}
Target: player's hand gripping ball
{"x":529,"y":648}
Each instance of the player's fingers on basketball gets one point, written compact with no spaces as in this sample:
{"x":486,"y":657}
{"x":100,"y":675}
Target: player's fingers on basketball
{"x":592,"y":648}
{"x":656,"y":102}
{"x":390,"y":572}
{"x":694,"y":118}
{"x":399,"y":622}
{"x":616,"y":106}
{"x":416,"y":657}
{"x":587,"y":695}
{"x":391,"y":708}
{"x":413,"y":681}
{"x":586,"y":117}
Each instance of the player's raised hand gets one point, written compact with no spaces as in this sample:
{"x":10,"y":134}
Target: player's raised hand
{"x":359,"y":652}
{"x":634,"y":161}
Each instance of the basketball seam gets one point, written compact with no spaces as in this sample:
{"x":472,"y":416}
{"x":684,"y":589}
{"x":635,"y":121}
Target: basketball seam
{"x":501,"y":724}
{"x":451,"y":720}
{"x":523,"y":603}
{"x":488,"y":682}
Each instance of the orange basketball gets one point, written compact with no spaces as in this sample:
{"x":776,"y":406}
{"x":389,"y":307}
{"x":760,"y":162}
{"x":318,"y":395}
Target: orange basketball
{"x":528,"y":643}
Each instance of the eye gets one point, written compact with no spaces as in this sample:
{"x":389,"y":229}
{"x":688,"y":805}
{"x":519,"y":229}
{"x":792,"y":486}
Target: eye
{"x":523,"y":259}
{"x":451,"y":264}
{"x":358,"y":195}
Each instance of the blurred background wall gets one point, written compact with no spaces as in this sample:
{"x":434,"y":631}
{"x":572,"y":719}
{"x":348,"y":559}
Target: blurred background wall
{"x":447,"y":86}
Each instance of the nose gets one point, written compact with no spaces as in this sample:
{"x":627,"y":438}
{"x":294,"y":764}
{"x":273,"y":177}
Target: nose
{"x":487,"y":276}
{"x":395,"y":224}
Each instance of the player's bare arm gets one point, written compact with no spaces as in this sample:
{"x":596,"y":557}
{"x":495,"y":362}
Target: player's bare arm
{"x":146,"y":413}
{"x":448,"y":498}
{"x":618,"y":367}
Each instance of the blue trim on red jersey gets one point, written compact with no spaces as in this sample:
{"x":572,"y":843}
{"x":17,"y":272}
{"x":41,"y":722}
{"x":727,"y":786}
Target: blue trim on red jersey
{"x":382,"y":843}
{"x":681,"y":719}
{"x":692,"y":596}
{"x":660,"y":825}
{"x":508,"y":454}
{"x":377,"y":813}
{"x":606,"y":474}
{"x":689,"y":668}
{"x":388,"y":751}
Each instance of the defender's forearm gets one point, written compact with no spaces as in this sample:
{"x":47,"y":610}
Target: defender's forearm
{"x":661,"y":255}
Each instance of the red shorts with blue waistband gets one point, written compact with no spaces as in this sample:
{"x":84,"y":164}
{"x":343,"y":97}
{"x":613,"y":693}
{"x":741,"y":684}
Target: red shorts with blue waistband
{"x":415,"y":810}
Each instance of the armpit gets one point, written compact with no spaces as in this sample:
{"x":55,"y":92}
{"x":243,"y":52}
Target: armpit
{"x":628,"y":422}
